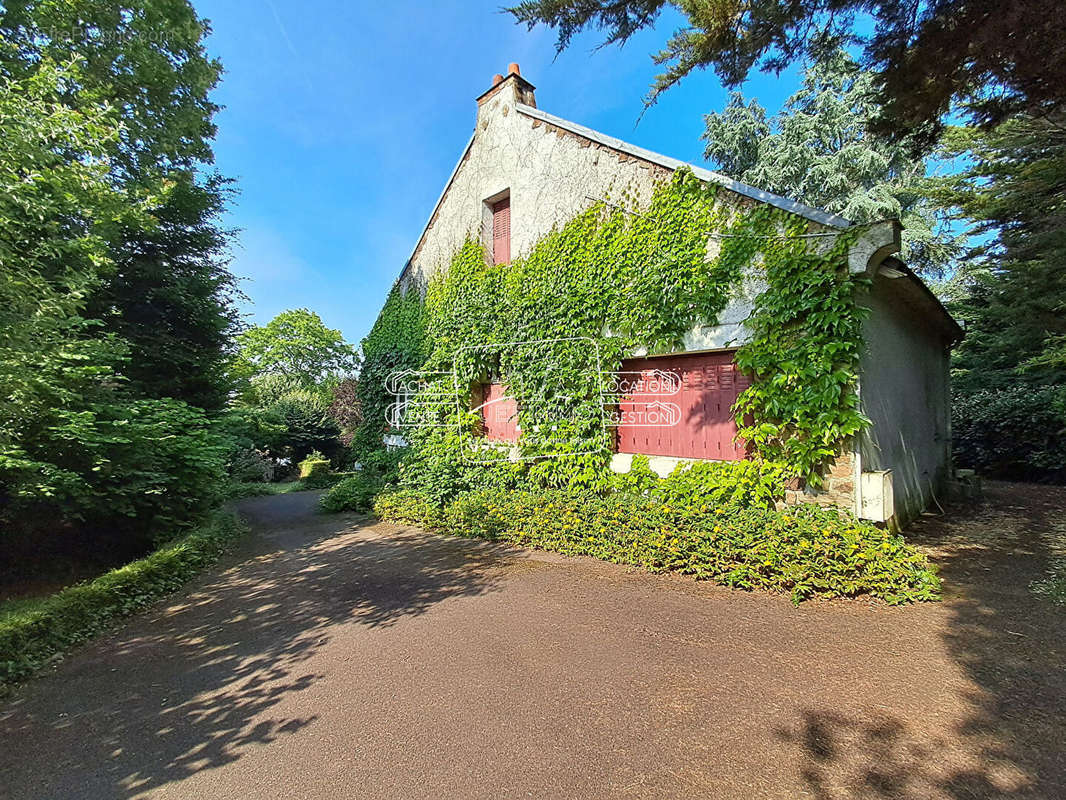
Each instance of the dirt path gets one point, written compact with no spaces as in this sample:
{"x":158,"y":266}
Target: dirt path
{"x":336,"y":658}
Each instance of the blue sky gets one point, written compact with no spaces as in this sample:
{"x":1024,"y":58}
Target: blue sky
{"x":343,"y":120}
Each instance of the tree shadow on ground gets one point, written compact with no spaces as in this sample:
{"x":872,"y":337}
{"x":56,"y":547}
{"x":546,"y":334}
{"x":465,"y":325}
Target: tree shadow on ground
{"x":189,"y":687}
{"x":1009,"y":644}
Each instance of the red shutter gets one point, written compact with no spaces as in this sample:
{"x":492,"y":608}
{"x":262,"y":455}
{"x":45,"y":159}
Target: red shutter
{"x":710,"y":384}
{"x":501,"y":231}
{"x":500,"y":413}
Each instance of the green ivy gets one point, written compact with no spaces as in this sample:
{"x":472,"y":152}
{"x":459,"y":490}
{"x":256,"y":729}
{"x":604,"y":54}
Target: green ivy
{"x":622,"y":279}
{"x":396,"y":342}
{"x":808,"y":551}
{"x":804,"y":352}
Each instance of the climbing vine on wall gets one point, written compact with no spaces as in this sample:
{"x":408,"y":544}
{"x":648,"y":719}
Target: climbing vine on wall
{"x":805,"y":348}
{"x":624,"y":277}
{"x":396,"y":342}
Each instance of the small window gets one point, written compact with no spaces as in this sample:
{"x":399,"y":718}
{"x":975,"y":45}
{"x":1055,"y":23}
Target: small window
{"x":501,"y":231}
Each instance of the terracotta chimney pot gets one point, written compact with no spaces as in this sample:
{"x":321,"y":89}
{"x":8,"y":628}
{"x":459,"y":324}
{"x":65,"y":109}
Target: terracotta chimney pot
{"x":497,"y":79}
{"x":512,"y":69}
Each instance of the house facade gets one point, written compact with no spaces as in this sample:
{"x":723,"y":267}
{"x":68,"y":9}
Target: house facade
{"x":525,"y":172}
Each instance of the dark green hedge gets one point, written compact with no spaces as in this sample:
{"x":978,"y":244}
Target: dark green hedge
{"x":1018,"y":432}
{"x":30,"y":636}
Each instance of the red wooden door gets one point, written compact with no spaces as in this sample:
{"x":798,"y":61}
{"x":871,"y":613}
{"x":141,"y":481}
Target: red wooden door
{"x":709,"y":385}
{"x":500,"y":413}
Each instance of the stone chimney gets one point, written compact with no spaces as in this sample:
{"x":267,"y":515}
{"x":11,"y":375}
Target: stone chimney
{"x":521,"y":89}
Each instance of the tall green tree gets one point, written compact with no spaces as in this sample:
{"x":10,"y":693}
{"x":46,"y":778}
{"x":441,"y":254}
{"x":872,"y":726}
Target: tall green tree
{"x":118,"y":301}
{"x":168,"y":292}
{"x":297,"y":348}
{"x":1001,"y":57}
{"x":818,"y":150}
{"x":56,"y":206}
{"x":74,"y":445}
{"x":171,"y":295}
{"x":1013,"y":291}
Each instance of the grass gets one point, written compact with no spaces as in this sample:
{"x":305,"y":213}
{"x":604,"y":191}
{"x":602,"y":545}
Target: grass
{"x":1053,"y":587}
{"x":36,"y":631}
{"x":236,"y":491}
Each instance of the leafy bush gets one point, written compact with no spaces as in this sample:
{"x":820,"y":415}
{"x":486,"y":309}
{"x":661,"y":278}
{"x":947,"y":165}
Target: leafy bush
{"x":308,"y":426}
{"x":249,"y":466}
{"x":432,"y":464}
{"x":145,"y":466}
{"x":410,"y":506}
{"x":251,"y":429}
{"x":314,"y":470}
{"x":1015,"y":432}
{"x":32,"y":634}
{"x":354,"y":493}
{"x":739,"y":484}
{"x":807,"y":551}
{"x":160,"y":465}
{"x":236,"y":491}
{"x":705,"y":484}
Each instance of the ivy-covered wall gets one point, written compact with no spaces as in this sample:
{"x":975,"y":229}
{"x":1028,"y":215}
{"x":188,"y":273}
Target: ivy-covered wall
{"x":632,"y":274}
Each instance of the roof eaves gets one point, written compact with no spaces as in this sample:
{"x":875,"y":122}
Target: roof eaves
{"x":813,"y":214}
{"x":957,"y":331}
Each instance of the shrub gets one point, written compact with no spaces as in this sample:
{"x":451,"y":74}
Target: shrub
{"x":251,"y":429}
{"x":354,"y":493}
{"x":236,"y":491}
{"x":145,"y":467}
{"x":739,"y":484}
{"x":410,"y":506}
{"x":249,"y":466}
{"x":807,"y":551}
{"x":308,"y":425}
{"x":432,"y":465}
{"x":314,"y":470}
{"x":1017,"y":432}
{"x":34,"y":633}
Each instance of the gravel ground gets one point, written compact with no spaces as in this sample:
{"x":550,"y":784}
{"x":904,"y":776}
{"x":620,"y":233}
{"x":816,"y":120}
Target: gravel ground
{"x":335,"y":657}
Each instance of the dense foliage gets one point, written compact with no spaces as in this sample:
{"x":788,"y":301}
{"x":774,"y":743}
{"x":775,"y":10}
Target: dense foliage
{"x":293,"y":381}
{"x":606,"y":282}
{"x":1009,"y":373}
{"x":807,"y":551}
{"x":1012,"y":293}
{"x":1016,"y":432}
{"x":315,"y":470}
{"x":816,"y":149}
{"x":353,"y":493}
{"x":32,"y":634}
{"x":1000,"y":57}
{"x":162,"y":285}
{"x":115,"y":302}
{"x":296,"y":347}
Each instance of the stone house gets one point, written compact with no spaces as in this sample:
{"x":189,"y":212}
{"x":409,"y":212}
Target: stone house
{"x":524,"y":171}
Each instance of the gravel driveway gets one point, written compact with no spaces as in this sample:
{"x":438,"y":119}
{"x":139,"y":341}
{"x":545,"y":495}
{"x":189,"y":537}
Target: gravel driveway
{"x":334,"y":657}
